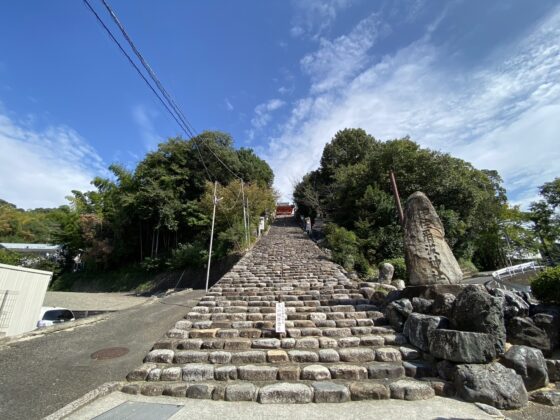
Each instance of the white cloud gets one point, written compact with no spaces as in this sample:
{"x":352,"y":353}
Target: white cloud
{"x":335,"y":62}
{"x":229,"y":106}
{"x":501,"y":115}
{"x":39,"y":168}
{"x":263,"y":115}
{"x":314,"y":17}
{"x":144,"y":118}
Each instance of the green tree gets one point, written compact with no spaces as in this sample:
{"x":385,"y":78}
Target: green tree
{"x":351,"y":187}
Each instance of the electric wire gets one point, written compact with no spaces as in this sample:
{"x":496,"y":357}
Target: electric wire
{"x":187,"y":126}
{"x":133,"y":64}
{"x":171,"y":106}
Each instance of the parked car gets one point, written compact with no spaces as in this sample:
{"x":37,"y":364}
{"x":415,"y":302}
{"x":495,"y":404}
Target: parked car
{"x":51,"y":315}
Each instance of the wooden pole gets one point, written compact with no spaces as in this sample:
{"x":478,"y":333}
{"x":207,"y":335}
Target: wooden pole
{"x":248,"y":221}
{"x":244,"y":214}
{"x":397,"y":198}
{"x":211,"y":235}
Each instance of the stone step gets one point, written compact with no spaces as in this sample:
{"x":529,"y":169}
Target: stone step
{"x":293,"y":393}
{"x":267,"y":322}
{"x":246,"y":331}
{"x":258,"y":342}
{"x":270,"y":307}
{"x":380,"y":353}
{"x":336,"y":347}
{"x":315,"y":313}
{"x":325,"y":299}
{"x":257,"y":372}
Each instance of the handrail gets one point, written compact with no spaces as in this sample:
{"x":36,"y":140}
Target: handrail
{"x":514,"y":270}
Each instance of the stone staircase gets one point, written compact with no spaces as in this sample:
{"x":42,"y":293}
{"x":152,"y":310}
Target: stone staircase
{"x":337,"y":346}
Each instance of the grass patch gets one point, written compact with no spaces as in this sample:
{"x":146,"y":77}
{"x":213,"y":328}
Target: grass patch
{"x":121,"y":280}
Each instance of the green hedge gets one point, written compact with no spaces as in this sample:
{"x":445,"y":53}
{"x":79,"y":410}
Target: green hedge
{"x":546,"y":286}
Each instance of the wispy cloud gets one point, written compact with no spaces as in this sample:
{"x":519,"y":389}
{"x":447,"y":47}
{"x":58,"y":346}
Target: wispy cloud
{"x":314,"y":17}
{"x":144,"y":118}
{"x":501,"y":114}
{"x":229,"y":105}
{"x":263,"y":115}
{"x":39,"y":168}
{"x":335,"y":62}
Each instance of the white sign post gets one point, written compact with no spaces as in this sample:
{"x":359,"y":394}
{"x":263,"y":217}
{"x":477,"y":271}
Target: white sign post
{"x":280,"y":317}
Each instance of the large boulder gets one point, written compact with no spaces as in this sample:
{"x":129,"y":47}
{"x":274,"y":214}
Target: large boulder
{"x":386,"y":272}
{"x":529,"y":363}
{"x":443,"y":304}
{"x":418,"y":328}
{"x":553,"y":368}
{"x":547,"y":397}
{"x":513,"y":304}
{"x":491,"y":384}
{"x":550,"y":323}
{"x":421,"y":305}
{"x":462,"y":346}
{"x":476,"y":310}
{"x":397,"y":312}
{"x":429,"y":259}
{"x":399,"y":284}
{"x":524,"y":331}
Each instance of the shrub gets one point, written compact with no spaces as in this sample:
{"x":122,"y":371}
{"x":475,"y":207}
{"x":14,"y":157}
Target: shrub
{"x":188,"y":255}
{"x":344,"y":246}
{"x":9,"y":257}
{"x":546,"y":286}
{"x":63,"y":283}
{"x":467,"y":266}
{"x":400,"y":267}
{"x":151,"y":265}
{"x":362,"y":266}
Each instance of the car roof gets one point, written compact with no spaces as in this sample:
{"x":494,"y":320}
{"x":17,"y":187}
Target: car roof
{"x":52,"y":308}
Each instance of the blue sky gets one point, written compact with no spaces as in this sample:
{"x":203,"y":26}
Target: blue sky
{"x":476,"y":79}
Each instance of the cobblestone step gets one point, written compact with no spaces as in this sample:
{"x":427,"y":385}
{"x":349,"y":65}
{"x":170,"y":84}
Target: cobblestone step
{"x":324,"y":391}
{"x":336,"y":347}
{"x":269,"y":353}
{"x":304,"y":369}
{"x":253,"y":339}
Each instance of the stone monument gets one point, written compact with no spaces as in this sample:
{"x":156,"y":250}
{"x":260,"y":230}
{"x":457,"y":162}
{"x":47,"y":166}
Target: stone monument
{"x":429,"y":259}
{"x":386,"y":272}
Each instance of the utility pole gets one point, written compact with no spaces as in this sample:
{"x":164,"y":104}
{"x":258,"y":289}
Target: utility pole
{"x":211,"y":234}
{"x":244,"y":214}
{"x":248,"y":220}
{"x":396,"y":195}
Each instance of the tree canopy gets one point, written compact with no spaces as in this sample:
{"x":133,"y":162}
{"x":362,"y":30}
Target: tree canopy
{"x":351,"y":189}
{"x":157,"y":213}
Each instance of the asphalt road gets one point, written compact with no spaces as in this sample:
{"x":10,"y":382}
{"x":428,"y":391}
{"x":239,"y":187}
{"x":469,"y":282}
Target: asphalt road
{"x":39,"y":376}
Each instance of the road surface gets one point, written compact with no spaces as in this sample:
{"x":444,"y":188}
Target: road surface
{"x":39,"y":376}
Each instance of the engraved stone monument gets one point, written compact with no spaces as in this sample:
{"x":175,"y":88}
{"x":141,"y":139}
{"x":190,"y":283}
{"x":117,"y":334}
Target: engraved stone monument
{"x":429,"y":259}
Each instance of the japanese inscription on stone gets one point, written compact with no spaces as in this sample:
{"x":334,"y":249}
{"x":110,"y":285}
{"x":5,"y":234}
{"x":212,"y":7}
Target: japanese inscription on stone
{"x":428,"y":257}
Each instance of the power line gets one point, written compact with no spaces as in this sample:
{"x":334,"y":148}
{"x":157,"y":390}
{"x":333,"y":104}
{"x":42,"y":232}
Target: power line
{"x":133,"y":64}
{"x":189,"y":129}
{"x":187,"y":126}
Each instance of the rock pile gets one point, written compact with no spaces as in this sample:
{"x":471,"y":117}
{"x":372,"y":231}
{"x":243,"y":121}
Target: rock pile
{"x":467,"y":347}
{"x":466,"y":332}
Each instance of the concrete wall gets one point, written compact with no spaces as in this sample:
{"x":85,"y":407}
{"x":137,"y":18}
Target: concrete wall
{"x":22,"y":291}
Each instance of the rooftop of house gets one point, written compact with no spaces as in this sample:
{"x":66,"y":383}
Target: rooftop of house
{"x":29,"y":247}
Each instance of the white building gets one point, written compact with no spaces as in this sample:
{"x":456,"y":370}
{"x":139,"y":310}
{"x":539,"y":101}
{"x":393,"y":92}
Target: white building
{"x":22,"y":292}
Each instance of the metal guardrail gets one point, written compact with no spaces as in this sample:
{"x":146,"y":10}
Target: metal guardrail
{"x":515,"y":270}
